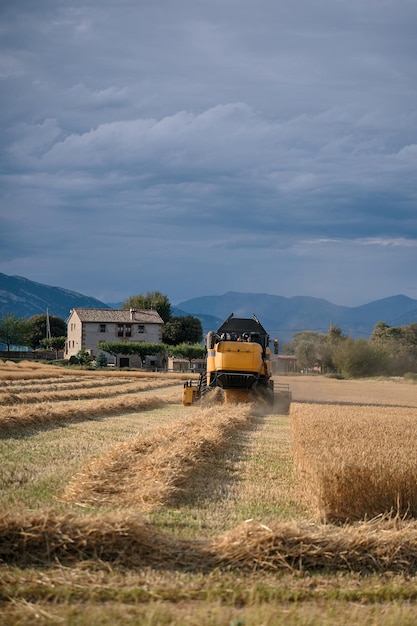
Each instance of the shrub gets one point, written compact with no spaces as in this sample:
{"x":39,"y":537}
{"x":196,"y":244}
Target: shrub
{"x":81,"y":358}
{"x":360,"y":358}
{"x":101,"y":360}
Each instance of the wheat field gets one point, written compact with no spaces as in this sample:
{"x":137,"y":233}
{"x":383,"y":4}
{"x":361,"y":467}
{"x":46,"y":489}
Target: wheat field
{"x":356,"y":462}
{"x":117,"y":498}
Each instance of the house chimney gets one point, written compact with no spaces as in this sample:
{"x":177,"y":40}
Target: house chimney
{"x":132,"y":314}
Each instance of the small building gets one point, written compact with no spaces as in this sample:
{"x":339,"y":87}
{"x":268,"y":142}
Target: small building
{"x":283,"y":364}
{"x":86,"y":328}
{"x":177,"y":364}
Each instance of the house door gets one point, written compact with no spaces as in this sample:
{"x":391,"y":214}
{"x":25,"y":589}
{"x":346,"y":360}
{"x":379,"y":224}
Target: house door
{"x":124,"y":361}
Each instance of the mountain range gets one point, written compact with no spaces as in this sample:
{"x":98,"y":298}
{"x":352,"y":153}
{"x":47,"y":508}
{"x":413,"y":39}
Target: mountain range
{"x":25,"y":298}
{"x":280,"y":316}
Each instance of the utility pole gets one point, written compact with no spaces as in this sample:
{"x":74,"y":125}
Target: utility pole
{"x":48,"y":325}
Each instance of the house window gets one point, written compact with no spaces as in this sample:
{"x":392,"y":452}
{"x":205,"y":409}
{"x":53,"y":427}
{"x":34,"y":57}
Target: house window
{"x":124,"y":330}
{"x":141,"y":328}
{"x":102,"y":328}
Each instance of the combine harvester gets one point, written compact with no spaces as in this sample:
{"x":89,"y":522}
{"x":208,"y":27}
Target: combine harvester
{"x":239,"y":362}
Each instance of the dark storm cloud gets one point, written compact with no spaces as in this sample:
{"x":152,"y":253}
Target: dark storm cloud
{"x":257,"y":132}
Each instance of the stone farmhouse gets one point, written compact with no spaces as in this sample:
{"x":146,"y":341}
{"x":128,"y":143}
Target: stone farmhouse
{"x":87,"y":327}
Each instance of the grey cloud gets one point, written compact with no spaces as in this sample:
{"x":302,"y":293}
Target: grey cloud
{"x":246,"y":128}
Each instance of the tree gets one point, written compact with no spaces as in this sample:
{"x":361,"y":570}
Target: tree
{"x":308,"y":347}
{"x":14,"y":331}
{"x":400,"y":342}
{"x":180,"y":330}
{"x":151,"y":300}
{"x":380,"y":332}
{"x":101,"y":360}
{"x":334,"y":334}
{"x":188,"y":351}
{"x":312,"y":348}
{"x":308,"y":336}
{"x":37,"y":325}
{"x":332,"y":341}
{"x":306,"y":354}
{"x":56,"y":343}
{"x":360,"y":358}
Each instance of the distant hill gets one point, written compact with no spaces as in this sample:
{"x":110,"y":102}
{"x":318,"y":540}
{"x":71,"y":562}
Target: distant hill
{"x":25,"y":298}
{"x":208,"y":322}
{"x":282,"y":317}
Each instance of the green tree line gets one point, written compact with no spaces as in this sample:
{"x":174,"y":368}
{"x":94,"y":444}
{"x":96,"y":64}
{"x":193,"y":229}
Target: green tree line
{"x":390,"y":351}
{"x":19,"y":331}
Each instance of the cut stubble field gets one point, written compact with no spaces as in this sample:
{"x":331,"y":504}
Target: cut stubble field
{"x":121,"y":506}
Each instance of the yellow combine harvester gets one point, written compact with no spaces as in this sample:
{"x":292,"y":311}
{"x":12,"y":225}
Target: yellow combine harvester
{"x":238,"y":359}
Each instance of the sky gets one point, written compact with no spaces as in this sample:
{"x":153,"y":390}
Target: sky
{"x":198,"y":147}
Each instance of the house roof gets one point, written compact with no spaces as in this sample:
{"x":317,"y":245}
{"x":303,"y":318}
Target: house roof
{"x":141,"y":316}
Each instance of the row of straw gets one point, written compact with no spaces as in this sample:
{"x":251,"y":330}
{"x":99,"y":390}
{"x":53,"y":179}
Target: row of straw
{"x":42,"y":414}
{"x":147,"y":471}
{"x":69,"y":382}
{"x":81,"y":393}
{"x":26,"y":370}
{"x":129,"y":541}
